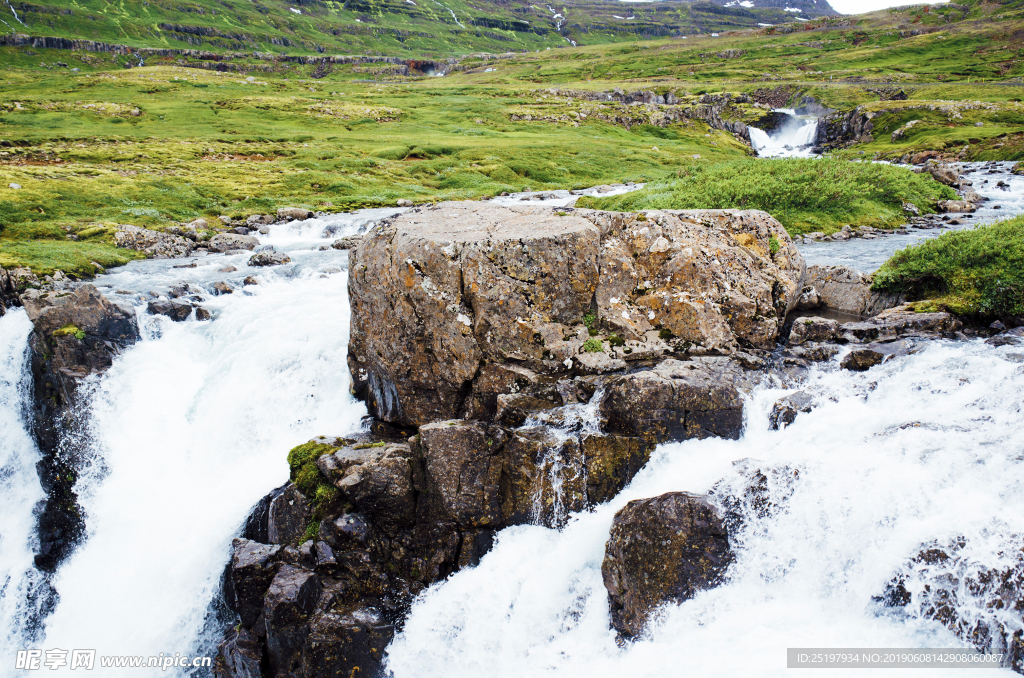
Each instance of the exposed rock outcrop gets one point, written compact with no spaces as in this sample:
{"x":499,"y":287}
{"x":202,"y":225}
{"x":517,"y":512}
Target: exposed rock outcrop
{"x":666,"y":548}
{"x":224,"y":242}
{"x":845,"y":290}
{"x":455,"y":304}
{"x":154,"y":243}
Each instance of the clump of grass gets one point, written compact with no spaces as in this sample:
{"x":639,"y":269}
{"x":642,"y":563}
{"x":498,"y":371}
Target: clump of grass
{"x":973,"y":273}
{"x":593,"y":345}
{"x":70,"y":330}
{"x":310,"y":481}
{"x":804,"y":194}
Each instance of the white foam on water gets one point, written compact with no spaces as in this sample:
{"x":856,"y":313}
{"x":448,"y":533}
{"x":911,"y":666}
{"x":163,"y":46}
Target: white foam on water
{"x":922,"y":448}
{"x":793,"y":139}
{"x":19,"y":492}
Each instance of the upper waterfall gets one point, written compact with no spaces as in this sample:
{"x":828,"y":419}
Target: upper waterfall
{"x":794,"y":138}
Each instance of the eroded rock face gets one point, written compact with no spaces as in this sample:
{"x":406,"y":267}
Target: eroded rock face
{"x":455,"y":304}
{"x":665,"y":548}
{"x":292,"y":597}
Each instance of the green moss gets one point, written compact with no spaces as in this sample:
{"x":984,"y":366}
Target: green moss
{"x":70,"y":330}
{"x":593,"y":345}
{"x":665,"y":334}
{"x":308,"y":479}
{"x":975,"y":273}
{"x":311,"y":533}
{"x":774,"y":245}
{"x":589,"y":318}
{"x":616,"y":340}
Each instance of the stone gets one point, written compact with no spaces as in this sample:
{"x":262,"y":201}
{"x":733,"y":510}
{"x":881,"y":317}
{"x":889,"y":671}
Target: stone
{"x":901,"y":321}
{"x":813,"y":329}
{"x":943,"y":174}
{"x":173,"y":309}
{"x":251,"y":280}
{"x":666,"y":548}
{"x":786,"y":408}
{"x":203,"y":314}
{"x":347,"y":643}
{"x":225,"y":242}
{"x":156,"y":244}
{"x":441,"y":292}
{"x":14,"y":186}
{"x":269,"y":259}
{"x":403,"y":202}
{"x":347,"y":243}
{"x":611,"y":462}
{"x":226,"y":220}
{"x":222,"y":288}
{"x":861,"y":359}
{"x":377,"y":480}
{"x":1010,"y":337}
{"x":462,"y":471}
{"x":815,"y":352}
{"x":677,"y":400}
{"x":957,"y":206}
{"x":846,"y":290}
{"x":239,"y":656}
{"x":289,"y":516}
{"x":534,"y":460}
{"x":290,"y":600}
{"x":198,"y":224}
{"x":293,"y":214}
{"x":253,"y":566}
{"x":974,"y":591}
{"x":227,"y":269}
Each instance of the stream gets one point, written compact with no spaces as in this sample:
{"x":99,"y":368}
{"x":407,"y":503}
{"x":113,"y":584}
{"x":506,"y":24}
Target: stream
{"x":191,"y":426}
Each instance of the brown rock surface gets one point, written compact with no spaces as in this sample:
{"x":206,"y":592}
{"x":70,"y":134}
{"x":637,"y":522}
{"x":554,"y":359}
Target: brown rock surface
{"x":843,"y":289}
{"x":444,"y":296}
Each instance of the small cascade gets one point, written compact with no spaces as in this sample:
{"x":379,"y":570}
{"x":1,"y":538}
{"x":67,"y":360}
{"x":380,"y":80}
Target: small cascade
{"x":794,"y":137}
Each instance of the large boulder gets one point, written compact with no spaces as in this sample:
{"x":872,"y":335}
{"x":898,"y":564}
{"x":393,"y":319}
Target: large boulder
{"x":377,"y":479}
{"x":843,"y":289}
{"x":901,"y":321}
{"x":677,"y":400}
{"x":665,"y":548}
{"x":453,"y":301}
{"x":154,"y":243}
{"x":253,"y":566}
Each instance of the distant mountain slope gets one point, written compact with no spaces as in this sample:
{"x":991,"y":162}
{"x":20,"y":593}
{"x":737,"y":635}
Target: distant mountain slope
{"x":389,"y":27}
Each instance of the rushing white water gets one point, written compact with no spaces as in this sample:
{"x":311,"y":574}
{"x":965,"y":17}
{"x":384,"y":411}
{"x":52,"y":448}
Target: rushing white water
{"x":793,"y":139}
{"x":922,"y":448}
{"x":19,"y":493}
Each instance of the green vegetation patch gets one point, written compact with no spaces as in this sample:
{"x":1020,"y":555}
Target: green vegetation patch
{"x":804,"y":194}
{"x":308,"y":479}
{"x":975,"y":273}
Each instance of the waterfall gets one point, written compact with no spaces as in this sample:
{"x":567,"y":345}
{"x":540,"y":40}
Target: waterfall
{"x":794,"y":138}
{"x":921,"y":448}
{"x":22,"y":587}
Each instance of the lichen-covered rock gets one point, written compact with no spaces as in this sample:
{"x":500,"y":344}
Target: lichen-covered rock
{"x":269,"y":259}
{"x":665,"y":548}
{"x":843,"y":289}
{"x":156,"y":244}
{"x":441,"y":295}
{"x":677,"y":400}
{"x":463,"y":469}
{"x":611,"y":462}
{"x":293,"y":213}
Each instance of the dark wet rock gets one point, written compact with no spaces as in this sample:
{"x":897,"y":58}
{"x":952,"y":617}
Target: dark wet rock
{"x":225,"y":242}
{"x":678,"y":400}
{"x":813,"y":329}
{"x":289,"y":516}
{"x":814,"y":352}
{"x":979,"y":601}
{"x":527,"y":490}
{"x":347,"y":643}
{"x":173,"y":309}
{"x":239,"y":656}
{"x":786,"y":409}
{"x":290,"y":600}
{"x":1007,"y":338}
{"x":463,"y":470}
{"x":514,"y":409}
{"x":253,"y":566}
{"x":203,"y":314}
{"x":347,"y":532}
{"x":269,"y":259}
{"x":222,"y":288}
{"x":376,"y":479}
{"x":611,"y":462}
{"x":665,"y":548}
{"x":861,"y":359}
{"x":250,"y":280}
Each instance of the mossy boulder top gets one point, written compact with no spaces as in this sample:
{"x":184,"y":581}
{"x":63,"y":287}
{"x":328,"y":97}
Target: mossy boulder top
{"x":454,"y":303}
